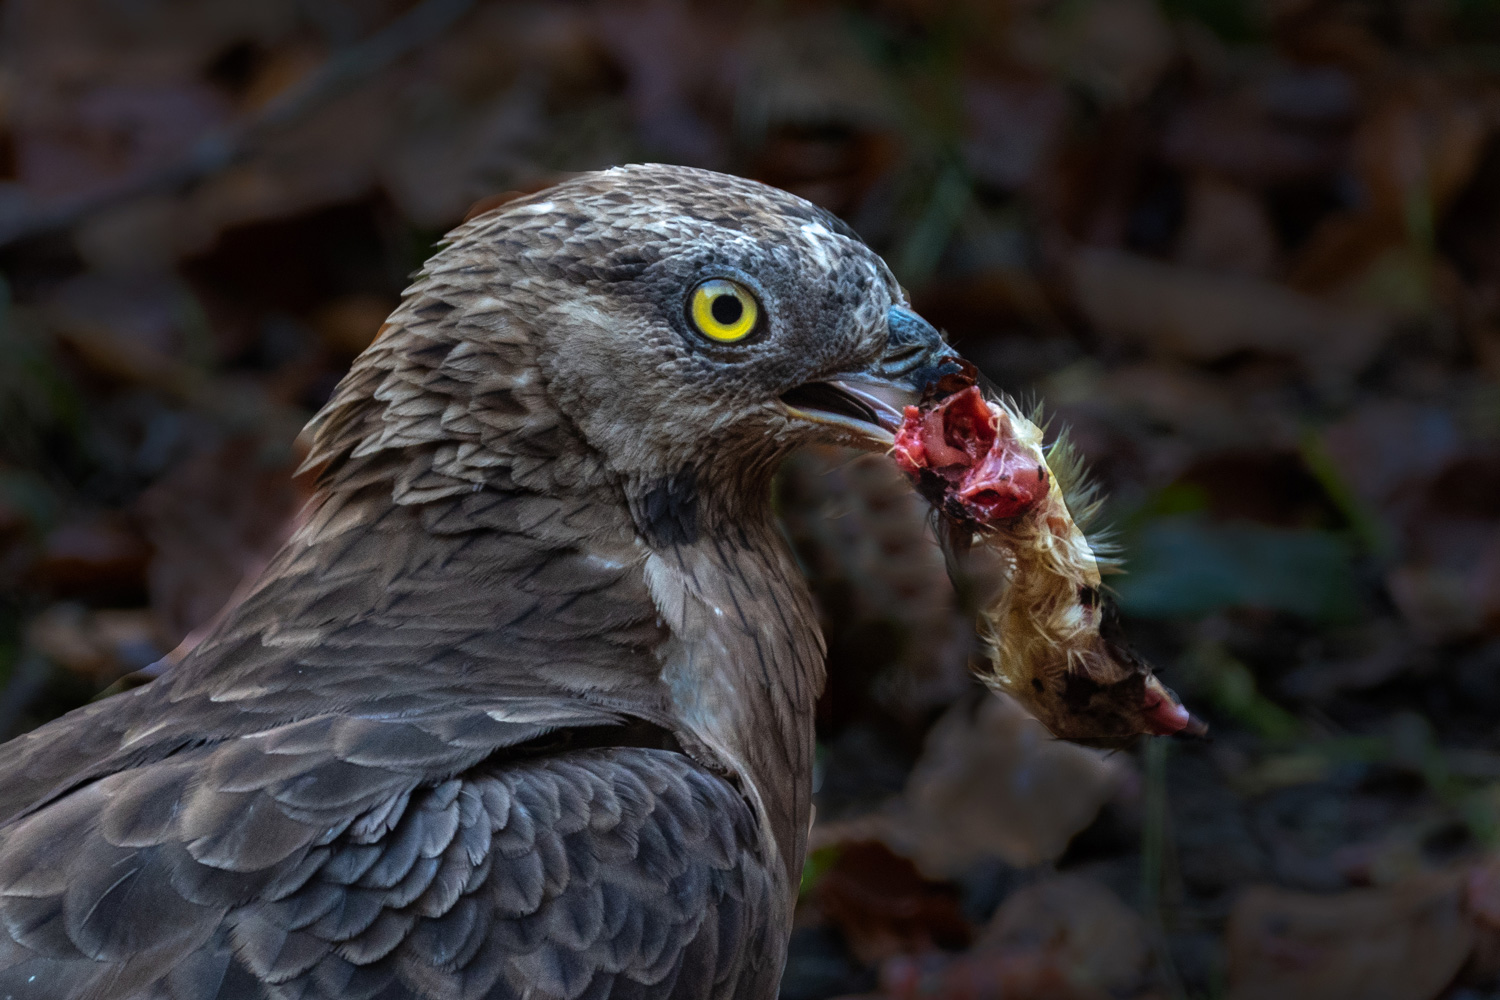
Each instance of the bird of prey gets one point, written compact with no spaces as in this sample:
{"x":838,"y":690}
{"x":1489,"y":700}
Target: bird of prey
{"x":524,"y":709}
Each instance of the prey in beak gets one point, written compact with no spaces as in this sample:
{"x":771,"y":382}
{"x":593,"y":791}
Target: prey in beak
{"x":868,"y":405}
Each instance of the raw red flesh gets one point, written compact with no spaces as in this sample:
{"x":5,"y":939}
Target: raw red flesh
{"x":988,"y":475}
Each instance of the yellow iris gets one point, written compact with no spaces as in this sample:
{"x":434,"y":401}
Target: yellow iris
{"x":723,"y":310}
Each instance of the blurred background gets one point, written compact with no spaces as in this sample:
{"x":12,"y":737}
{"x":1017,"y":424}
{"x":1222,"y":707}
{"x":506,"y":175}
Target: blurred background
{"x":1248,"y":250}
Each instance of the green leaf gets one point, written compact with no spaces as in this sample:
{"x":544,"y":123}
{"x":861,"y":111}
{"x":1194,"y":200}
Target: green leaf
{"x":1187,"y":566}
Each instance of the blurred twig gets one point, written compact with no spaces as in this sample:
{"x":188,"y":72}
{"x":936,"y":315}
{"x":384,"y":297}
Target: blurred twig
{"x":1367,"y":527}
{"x":923,"y":250}
{"x":221,"y":147}
{"x":1153,"y":862}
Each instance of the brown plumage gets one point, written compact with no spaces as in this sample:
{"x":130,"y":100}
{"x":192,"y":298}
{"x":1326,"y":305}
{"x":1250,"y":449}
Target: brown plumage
{"x":524,"y":708}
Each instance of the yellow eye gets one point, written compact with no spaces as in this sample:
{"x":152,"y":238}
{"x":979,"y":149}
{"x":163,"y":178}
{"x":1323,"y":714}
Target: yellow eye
{"x":723,"y":311}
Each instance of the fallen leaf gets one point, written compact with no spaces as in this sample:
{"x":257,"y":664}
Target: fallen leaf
{"x":145,"y":315}
{"x":1448,"y":586}
{"x":348,"y":324}
{"x":1229,"y":140}
{"x":1405,"y":942}
{"x":127,"y":337}
{"x":141,"y":238}
{"x":1013,"y":127}
{"x":109,"y":133}
{"x":1226,"y":229}
{"x":1482,"y":893}
{"x":1187,"y":566}
{"x":1117,"y":48}
{"x":991,"y":783}
{"x":1064,"y":938}
{"x":885,"y":907}
{"x":1205,"y":316}
{"x":278,"y":72}
{"x":1482,"y":903}
{"x":1422,"y":141}
{"x":1026,"y":976}
{"x":100,"y":645}
{"x":1079,"y":924}
{"x":1413,"y":153}
{"x":1385,"y":445}
{"x":212,"y":522}
{"x":100,"y":558}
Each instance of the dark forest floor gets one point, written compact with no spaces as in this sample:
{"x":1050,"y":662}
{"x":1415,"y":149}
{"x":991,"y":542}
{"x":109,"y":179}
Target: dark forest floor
{"x":1249,"y":252}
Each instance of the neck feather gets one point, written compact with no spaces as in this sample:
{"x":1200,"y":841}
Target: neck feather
{"x":745,"y":667}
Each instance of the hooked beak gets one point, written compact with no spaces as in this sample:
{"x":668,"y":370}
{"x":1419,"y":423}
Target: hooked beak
{"x":866,"y":407}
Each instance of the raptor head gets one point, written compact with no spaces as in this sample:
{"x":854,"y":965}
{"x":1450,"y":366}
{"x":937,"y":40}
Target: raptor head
{"x":646,"y":324}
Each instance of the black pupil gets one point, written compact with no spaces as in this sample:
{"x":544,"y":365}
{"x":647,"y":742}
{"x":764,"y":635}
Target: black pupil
{"x":726,"y":309}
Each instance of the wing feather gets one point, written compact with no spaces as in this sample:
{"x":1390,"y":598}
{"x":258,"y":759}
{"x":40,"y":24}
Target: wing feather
{"x":598,"y":873}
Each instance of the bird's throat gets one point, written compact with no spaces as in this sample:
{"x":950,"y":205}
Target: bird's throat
{"x":744,"y":667}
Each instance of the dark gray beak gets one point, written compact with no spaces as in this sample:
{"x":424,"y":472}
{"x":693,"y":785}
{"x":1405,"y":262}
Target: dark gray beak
{"x":869,"y":404}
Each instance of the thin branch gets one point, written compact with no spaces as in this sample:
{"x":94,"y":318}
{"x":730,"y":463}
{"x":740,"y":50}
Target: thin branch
{"x":222,"y":147}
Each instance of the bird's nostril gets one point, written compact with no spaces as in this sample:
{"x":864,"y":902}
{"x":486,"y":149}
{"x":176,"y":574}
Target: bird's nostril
{"x":911,"y":343}
{"x":903,"y":360}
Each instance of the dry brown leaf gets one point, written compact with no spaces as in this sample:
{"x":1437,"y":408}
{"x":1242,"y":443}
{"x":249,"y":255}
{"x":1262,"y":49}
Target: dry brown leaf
{"x":1482,"y":902}
{"x":100,"y":645}
{"x":1203,"y":316}
{"x":281,"y":69}
{"x":1448,"y":586}
{"x":1444,"y":603}
{"x":1064,"y":938}
{"x":991,"y":783}
{"x":1342,"y":246}
{"x":1482,"y":893}
{"x":348,"y":324}
{"x":1405,"y":942}
{"x":100,"y":558}
{"x":212,"y":522}
{"x":1014,"y":126}
{"x":141,"y":238}
{"x":885,"y":907}
{"x":1083,"y":928}
{"x":1414,"y":153}
{"x":129,"y":329}
{"x":1230,"y":140}
{"x":1385,"y":447}
{"x":1226,"y":229}
{"x":78,"y":144}
{"x":1025,"y":976}
{"x":1118,"y":48}
{"x":1423,"y":141}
